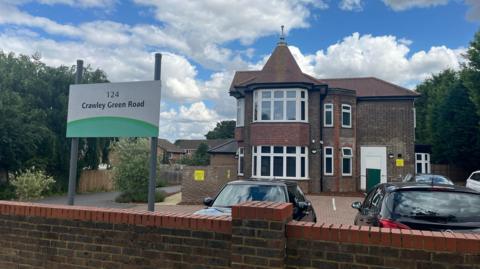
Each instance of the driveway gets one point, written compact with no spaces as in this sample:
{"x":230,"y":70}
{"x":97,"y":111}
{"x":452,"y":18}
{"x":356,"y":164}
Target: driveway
{"x":329,"y":209}
{"x":101,"y":199}
{"x":334,"y":209}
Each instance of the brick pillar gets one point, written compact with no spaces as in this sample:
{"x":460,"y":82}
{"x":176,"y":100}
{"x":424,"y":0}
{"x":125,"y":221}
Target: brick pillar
{"x":258,"y":234}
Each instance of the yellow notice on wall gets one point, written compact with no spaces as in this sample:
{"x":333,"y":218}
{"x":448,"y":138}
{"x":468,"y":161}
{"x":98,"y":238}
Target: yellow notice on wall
{"x":199,"y":175}
{"x":399,"y":162}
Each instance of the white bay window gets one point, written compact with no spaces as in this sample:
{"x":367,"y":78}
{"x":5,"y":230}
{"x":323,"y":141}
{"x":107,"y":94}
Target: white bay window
{"x":280,"y":105}
{"x":286,"y":162}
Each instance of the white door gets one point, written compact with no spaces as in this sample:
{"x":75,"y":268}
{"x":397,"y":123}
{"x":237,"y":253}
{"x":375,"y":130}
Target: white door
{"x":372,"y":157}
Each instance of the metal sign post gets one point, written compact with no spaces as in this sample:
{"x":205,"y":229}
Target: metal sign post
{"x":125,"y":109}
{"x":72,"y":176}
{"x":153,"y":146}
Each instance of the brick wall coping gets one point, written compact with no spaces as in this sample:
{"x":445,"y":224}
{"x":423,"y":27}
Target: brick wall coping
{"x":275,"y":211}
{"x":412,"y":239}
{"x":221,"y":224}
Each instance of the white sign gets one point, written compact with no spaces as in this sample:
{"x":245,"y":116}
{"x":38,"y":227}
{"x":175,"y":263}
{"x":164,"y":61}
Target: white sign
{"x":127,"y":109}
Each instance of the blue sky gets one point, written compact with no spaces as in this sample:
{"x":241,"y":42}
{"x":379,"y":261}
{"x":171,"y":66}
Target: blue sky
{"x":205,"y":42}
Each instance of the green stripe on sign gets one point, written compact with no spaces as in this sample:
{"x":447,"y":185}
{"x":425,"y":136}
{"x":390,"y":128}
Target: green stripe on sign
{"x":111,"y":127}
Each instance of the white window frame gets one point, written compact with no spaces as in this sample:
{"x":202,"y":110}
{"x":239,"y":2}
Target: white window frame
{"x":347,"y":108}
{"x":424,"y":160}
{"x":350,"y":157}
{"x":257,"y":102}
{"x":325,"y":110}
{"x":298,"y":162}
{"x":325,"y":156}
{"x":241,"y":155}
{"x":240,"y":112}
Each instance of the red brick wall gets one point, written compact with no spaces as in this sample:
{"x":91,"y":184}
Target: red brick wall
{"x":286,"y":134}
{"x":41,"y":236}
{"x":259,"y":235}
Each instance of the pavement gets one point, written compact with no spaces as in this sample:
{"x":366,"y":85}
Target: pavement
{"x":329,"y":209}
{"x":102,"y":199}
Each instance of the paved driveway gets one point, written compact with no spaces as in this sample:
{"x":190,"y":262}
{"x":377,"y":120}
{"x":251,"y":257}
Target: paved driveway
{"x":329,"y":209}
{"x":334,"y":209}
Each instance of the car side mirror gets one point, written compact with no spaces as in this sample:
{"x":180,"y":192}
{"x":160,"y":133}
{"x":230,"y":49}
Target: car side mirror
{"x":208,"y":201}
{"x":357,"y":205}
{"x":304,"y":205}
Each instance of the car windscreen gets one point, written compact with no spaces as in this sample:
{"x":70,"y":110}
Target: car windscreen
{"x":436,"y":206}
{"x":238,"y":193}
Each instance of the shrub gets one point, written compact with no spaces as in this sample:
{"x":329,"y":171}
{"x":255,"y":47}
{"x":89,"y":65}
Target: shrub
{"x":7,"y":191}
{"x":131,"y":172}
{"x":138,"y":197}
{"x":31,"y":184}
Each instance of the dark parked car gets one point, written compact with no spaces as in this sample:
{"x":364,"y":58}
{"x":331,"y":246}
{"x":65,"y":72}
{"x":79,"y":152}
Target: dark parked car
{"x":239,"y":191}
{"x":421,"y":207}
{"x":428,"y":178}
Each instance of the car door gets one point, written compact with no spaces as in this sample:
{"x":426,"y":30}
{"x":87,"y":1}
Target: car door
{"x":369,"y":212}
{"x":473,"y":181}
{"x":362,"y":212}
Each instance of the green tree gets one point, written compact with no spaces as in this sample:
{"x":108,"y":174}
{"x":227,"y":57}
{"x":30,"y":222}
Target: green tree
{"x":433,"y":91}
{"x":456,"y":137}
{"x":224,"y":129}
{"x":131,"y":173}
{"x":471,"y":71}
{"x":33,"y":112}
{"x":200,"y":157}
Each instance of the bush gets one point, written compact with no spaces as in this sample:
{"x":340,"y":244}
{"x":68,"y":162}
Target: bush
{"x":131,"y":173}
{"x":137,"y":197}
{"x":31,"y":184}
{"x":7,"y":191}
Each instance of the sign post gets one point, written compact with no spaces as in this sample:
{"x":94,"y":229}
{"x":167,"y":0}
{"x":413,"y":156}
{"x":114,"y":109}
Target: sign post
{"x":153,"y":146}
{"x":72,"y":175}
{"x":126,"y":109}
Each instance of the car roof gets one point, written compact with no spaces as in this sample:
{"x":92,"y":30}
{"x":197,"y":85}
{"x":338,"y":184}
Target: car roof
{"x":399,"y":186}
{"x":276,"y":182}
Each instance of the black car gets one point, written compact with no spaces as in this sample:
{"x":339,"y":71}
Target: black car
{"x":239,"y":191}
{"x":421,"y":207}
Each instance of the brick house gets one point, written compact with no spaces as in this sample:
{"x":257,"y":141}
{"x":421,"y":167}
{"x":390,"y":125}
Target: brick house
{"x":324,"y":133}
{"x":168,"y":152}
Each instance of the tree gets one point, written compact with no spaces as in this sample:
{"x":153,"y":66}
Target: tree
{"x":224,"y":129}
{"x":33,"y":112}
{"x":131,"y":173}
{"x":200,"y":157}
{"x":456,"y":138}
{"x":471,"y":71}
{"x":433,"y":91}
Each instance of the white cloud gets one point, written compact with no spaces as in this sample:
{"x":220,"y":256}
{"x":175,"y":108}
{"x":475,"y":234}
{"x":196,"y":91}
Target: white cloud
{"x":473,"y":13}
{"x":385,"y":57}
{"x":399,"y":5}
{"x":189,"y":122}
{"x":351,"y":5}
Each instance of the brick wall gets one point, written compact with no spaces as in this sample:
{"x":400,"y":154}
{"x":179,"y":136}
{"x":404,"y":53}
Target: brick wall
{"x":284,"y":134}
{"x":194,"y":191}
{"x":223,"y":159}
{"x":338,"y":137}
{"x":346,"y":246}
{"x":259,"y":235}
{"x":389,"y":124}
{"x":36,"y":236}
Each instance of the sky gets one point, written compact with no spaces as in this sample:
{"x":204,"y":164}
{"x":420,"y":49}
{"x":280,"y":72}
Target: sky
{"x":204,"y":42}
